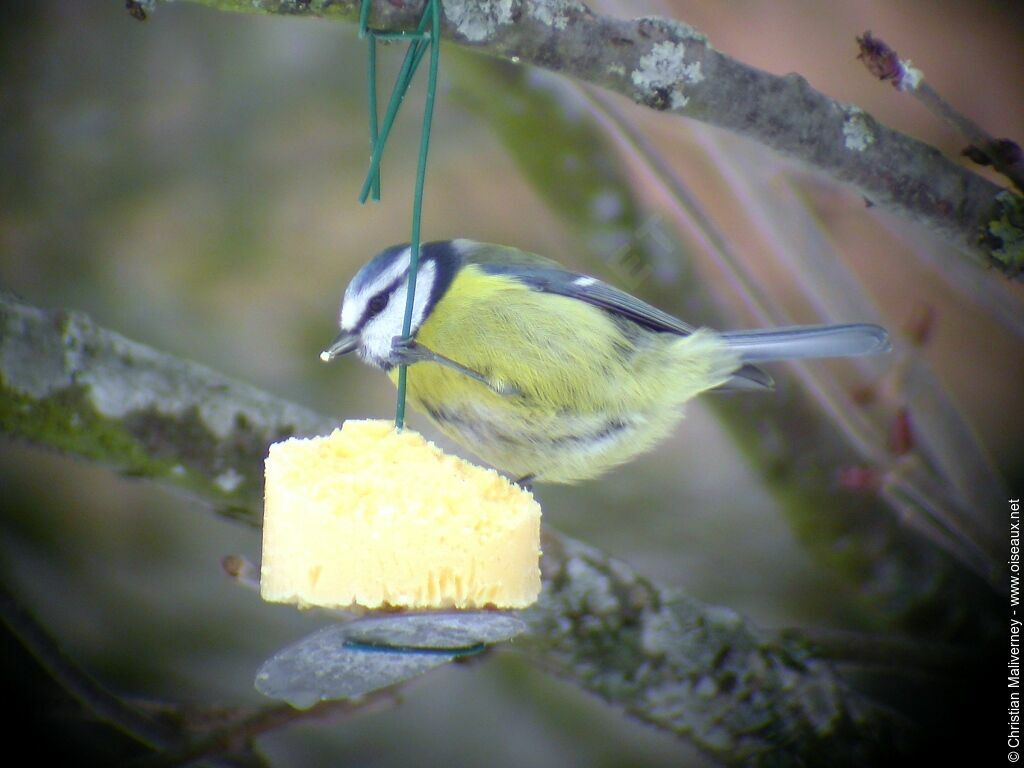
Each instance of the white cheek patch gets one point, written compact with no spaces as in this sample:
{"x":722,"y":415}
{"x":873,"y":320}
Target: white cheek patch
{"x":353,"y":306}
{"x":378,"y":334}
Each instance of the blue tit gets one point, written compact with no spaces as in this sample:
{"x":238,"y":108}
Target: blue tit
{"x":545,"y":373}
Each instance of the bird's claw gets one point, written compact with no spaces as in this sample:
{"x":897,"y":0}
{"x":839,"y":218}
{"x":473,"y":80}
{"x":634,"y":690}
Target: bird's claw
{"x":405,"y":351}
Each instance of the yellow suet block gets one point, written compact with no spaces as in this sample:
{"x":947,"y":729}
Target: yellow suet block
{"x":372,"y":517}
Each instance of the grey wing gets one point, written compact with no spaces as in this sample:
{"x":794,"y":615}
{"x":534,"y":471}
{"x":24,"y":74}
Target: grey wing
{"x":545,"y":275}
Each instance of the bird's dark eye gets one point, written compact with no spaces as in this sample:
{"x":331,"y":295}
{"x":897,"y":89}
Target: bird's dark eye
{"x":377,"y":303}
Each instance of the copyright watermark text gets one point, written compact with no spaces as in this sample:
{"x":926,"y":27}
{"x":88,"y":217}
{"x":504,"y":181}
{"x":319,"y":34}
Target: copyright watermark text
{"x":1013,"y":684}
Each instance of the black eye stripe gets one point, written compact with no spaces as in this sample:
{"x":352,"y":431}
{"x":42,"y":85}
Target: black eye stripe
{"x":379,"y":301}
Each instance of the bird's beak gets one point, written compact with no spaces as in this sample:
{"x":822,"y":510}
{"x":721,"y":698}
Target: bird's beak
{"x":345,"y":342}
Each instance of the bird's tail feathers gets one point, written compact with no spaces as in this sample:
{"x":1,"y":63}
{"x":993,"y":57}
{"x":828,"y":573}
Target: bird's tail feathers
{"x":804,"y":342}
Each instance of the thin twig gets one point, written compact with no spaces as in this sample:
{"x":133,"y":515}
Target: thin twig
{"x":242,"y":570}
{"x":157,"y":734}
{"x":242,"y":732}
{"x":897,"y":653}
{"x":95,"y":698}
{"x":75,"y":680}
{"x":884,"y":63}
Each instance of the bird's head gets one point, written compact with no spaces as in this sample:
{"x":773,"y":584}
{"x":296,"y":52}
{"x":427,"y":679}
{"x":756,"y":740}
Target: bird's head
{"x":373,"y":307}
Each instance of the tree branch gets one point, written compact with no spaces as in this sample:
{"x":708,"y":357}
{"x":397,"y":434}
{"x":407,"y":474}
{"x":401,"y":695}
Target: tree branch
{"x":90,"y":392}
{"x":698,"y":671}
{"x":669,"y":66}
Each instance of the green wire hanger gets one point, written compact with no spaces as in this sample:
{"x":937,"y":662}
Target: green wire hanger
{"x":420,"y":42}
